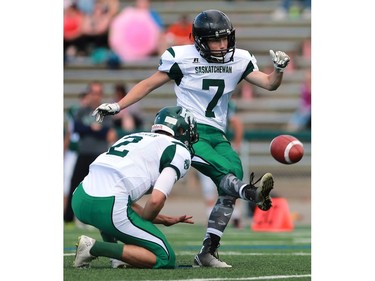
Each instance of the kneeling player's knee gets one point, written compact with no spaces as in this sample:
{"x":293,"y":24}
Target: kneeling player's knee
{"x":166,"y":260}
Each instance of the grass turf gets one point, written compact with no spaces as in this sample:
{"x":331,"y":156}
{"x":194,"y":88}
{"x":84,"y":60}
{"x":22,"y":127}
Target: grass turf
{"x":253,"y":255}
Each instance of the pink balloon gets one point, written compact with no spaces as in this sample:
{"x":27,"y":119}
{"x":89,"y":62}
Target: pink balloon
{"x":133,"y":34}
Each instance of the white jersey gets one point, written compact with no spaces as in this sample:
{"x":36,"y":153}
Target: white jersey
{"x":133,"y":164}
{"x":202,"y":87}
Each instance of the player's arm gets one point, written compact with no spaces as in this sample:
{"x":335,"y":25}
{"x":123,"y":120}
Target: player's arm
{"x":143,"y":88}
{"x":266,"y":81}
{"x":138,"y":92}
{"x":153,"y":206}
{"x":157,"y":198}
{"x":159,"y":218}
{"x":270,"y":81}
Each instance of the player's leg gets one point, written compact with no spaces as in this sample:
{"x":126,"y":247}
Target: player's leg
{"x":211,"y":163}
{"x":109,"y":238}
{"x":149,"y":247}
{"x":209,"y":192}
{"x":215,"y":158}
{"x":260,"y":195}
{"x":89,"y":249}
{"x":137,"y":231}
{"x":232,"y":184}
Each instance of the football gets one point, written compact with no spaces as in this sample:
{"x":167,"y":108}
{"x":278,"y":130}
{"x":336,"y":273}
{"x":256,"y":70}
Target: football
{"x":286,"y":149}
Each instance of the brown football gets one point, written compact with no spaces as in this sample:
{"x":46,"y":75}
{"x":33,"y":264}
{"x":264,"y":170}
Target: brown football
{"x":286,"y":149}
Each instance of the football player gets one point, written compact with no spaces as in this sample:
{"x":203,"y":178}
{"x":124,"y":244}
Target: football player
{"x":205,"y":74}
{"x":137,"y":164}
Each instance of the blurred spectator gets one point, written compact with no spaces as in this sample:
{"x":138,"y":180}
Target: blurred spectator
{"x":95,"y":26}
{"x":86,"y":6}
{"x":71,"y":143}
{"x":94,"y":138}
{"x":301,"y":119}
{"x":146,"y":5}
{"x":113,"y":6}
{"x":130,"y":119}
{"x":178,"y":33}
{"x":137,"y":32}
{"x":86,"y":31}
{"x":244,"y":91}
{"x":236,"y":126}
{"x":306,"y":48}
{"x":73,"y":41}
{"x":293,"y":9}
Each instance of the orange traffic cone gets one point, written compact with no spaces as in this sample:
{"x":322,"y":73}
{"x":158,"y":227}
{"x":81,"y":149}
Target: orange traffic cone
{"x":276,"y":219}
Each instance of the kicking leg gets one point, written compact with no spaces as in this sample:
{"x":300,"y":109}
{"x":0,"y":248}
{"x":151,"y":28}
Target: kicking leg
{"x":260,"y":195}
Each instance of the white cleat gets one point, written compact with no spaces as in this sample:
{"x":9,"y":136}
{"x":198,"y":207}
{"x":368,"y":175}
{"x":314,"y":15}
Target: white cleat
{"x":118,"y":264}
{"x":209,"y":260}
{"x":83,"y":256}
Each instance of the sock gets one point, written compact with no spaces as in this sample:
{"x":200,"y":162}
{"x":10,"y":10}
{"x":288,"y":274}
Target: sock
{"x":220,"y":215}
{"x":108,"y":238}
{"x":107,"y":249}
{"x":215,"y":240}
{"x":232,"y":185}
{"x":242,"y":192}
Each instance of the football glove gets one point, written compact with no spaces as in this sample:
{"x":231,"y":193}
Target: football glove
{"x":280,"y":60}
{"x":105,"y":109}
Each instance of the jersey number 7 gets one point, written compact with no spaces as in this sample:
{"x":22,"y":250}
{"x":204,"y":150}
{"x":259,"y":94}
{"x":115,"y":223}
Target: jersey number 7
{"x":220,"y":84}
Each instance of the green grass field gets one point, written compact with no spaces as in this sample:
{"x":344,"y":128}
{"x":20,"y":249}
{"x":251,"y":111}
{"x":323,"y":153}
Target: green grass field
{"x":253,"y":255}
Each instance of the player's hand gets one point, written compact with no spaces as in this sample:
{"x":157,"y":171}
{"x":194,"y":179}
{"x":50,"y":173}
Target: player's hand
{"x":168,"y":221}
{"x":280,"y":60}
{"x":105,"y":109}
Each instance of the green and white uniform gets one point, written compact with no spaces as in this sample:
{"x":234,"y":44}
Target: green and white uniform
{"x":132,"y":167}
{"x":205,"y":89}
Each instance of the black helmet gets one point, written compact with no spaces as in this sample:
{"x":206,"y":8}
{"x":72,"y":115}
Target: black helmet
{"x":213,"y":24}
{"x":179,"y":122}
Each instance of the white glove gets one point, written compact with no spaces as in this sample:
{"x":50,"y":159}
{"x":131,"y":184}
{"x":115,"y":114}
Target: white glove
{"x":105,"y":109}
{"x":280,"y":60}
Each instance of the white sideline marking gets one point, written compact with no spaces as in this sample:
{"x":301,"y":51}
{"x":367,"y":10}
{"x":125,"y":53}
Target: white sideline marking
{"x":274,"y":277}
{"x":228,"y":253}
{"x":233,"y":254}
{"x":247,"y":243}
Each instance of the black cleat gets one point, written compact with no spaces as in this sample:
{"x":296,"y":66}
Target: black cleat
{"x":260,"y":195}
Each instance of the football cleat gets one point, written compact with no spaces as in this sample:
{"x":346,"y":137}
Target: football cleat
{"x":209,"y":260}
{"x":260,"y":195}
{"x":209,"y":257}
{"x":264,"y":201}
{"x":117,"y":264}
{"x":83,"y":256}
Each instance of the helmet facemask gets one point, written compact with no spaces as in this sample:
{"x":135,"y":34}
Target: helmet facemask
{"x":218,"y":56}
